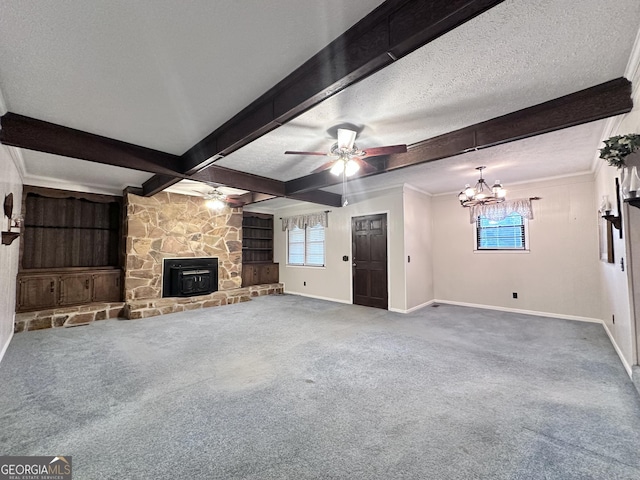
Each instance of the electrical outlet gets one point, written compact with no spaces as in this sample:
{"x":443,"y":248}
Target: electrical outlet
{"x":515,"y":294}
{"x":304,"y":284}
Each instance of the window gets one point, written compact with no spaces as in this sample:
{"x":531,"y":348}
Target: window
{"x":306,"y":246}
{"x":509,"y":233}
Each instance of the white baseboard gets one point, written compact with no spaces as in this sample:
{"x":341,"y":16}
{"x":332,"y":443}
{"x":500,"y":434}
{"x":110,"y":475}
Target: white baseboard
{"x":412,"y":309}
{"x":525,"y":312}
{"x":317,"y":296}
{"x":626,"y":365}
{"x":6,"y":345}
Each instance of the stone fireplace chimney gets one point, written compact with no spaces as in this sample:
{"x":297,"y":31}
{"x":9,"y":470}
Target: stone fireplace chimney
{"x":169,"y":225}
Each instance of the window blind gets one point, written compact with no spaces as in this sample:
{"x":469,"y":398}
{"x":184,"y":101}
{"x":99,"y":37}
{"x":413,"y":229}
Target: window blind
{"x":296,"y":246}
{"x":505,"y":234}
{"x":315,"y":246}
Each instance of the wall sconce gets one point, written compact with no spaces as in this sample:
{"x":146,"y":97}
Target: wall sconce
{"x":8,"y":237}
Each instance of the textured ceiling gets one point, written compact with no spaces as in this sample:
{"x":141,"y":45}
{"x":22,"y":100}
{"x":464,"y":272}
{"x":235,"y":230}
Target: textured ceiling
{"x":157,"y":73}
{"x":511,"y":57}
{"x":163,"y":74}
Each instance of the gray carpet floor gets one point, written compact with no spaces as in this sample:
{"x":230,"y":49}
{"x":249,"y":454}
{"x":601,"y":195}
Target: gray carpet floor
{"x":286,"y":387}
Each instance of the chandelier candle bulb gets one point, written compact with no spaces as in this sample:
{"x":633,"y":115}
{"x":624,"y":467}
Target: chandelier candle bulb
{"x":634,"y":184}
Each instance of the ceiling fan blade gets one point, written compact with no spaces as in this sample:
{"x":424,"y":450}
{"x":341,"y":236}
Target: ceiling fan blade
{"x":377,"y":151}
{"x":289,"y":152}
{"x":365,"y":167}
{"x":324,"y":166}
{"x":346,"y":138}
{"x":234,"y":202}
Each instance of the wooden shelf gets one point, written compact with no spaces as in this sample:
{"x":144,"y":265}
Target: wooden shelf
{"x":72,"y":228}
{"x":257,"y":250}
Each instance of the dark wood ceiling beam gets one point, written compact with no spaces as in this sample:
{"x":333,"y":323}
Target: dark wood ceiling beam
{"x":157,"y":184}
{"x":601,"y":101}
{"x":394,"y":29}
{"x":33,"y":134}
{"x":216,"y":175}
{"x":318,"y":196}
{"x":249,"y":198}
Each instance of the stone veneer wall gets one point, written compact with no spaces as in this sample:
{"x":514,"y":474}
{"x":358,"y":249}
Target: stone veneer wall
{"x":169,"y":225}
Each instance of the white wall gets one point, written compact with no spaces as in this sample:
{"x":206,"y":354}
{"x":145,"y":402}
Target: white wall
{"x":333,"y":281}
{"x":618,"y":294}
{"x":614,"y":281}
{"x":559,"y":276}
{"x":417,"y":245}
{"x":10,"y":182}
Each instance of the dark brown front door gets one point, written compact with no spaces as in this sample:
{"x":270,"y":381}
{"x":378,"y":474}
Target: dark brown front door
{"x":369,"y":238}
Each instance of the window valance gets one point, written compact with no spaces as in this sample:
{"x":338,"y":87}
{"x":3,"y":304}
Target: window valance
{"x":499,"y":211}
{"x":306,"y":220}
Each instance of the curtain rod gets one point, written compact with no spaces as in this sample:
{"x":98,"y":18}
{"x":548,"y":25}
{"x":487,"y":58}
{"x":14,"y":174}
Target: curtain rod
{"x":326,"y":211}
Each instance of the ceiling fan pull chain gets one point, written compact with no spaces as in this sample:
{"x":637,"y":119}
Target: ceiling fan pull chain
{"x":345,"y":202}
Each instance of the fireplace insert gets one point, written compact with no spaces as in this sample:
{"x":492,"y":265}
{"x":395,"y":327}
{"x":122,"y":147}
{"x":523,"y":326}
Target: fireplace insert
{"x":187,"y":277}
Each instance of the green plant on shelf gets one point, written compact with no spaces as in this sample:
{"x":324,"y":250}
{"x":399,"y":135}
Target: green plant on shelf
{"x":616,"y":149}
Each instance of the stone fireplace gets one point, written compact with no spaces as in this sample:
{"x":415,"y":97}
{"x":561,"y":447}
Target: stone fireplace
{"x":166,"y":226}
{"x":169,"y":225}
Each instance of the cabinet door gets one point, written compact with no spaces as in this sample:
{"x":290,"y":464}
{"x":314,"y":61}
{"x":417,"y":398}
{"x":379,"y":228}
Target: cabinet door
{"x":247,"y":275}
{"x":106,"y":287}
{"x":37,"y":292}
{"x":266,"y":273}
{"x":75,"y":288}
{"x":275,"y":273}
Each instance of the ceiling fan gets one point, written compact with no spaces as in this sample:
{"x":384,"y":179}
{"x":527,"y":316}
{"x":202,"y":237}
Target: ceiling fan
{"x":348,"y":157}
{"x":217,"y":200}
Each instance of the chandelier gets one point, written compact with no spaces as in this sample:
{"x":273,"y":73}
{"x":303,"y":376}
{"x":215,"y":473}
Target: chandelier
{"x":482,"y":194}
{"x":215,"y":200}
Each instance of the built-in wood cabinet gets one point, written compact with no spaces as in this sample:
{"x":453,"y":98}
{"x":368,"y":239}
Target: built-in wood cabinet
{"x":70,"y":250}
{"x":106,"y":287}
{"x":259,"y":273}
{"x":37,"y":292}
{"x":41,"y":291}
{"x":257,"y":250}
{"x":257,"y":238}
{"x":75,"y":289}
{"x":69,"y":229}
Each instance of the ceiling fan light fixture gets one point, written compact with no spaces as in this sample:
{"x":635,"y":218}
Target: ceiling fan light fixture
{"x":338,"y":167}
{"x":351,"y":167}
{"x":215,"y":200}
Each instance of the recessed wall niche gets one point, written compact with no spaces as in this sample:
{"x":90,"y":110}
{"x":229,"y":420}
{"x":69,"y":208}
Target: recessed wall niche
{"x":70,"y":229}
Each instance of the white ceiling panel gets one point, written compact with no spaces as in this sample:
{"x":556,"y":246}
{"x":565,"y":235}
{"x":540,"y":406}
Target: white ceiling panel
{"x":46,"y":170}
{"x":157,"y":73}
